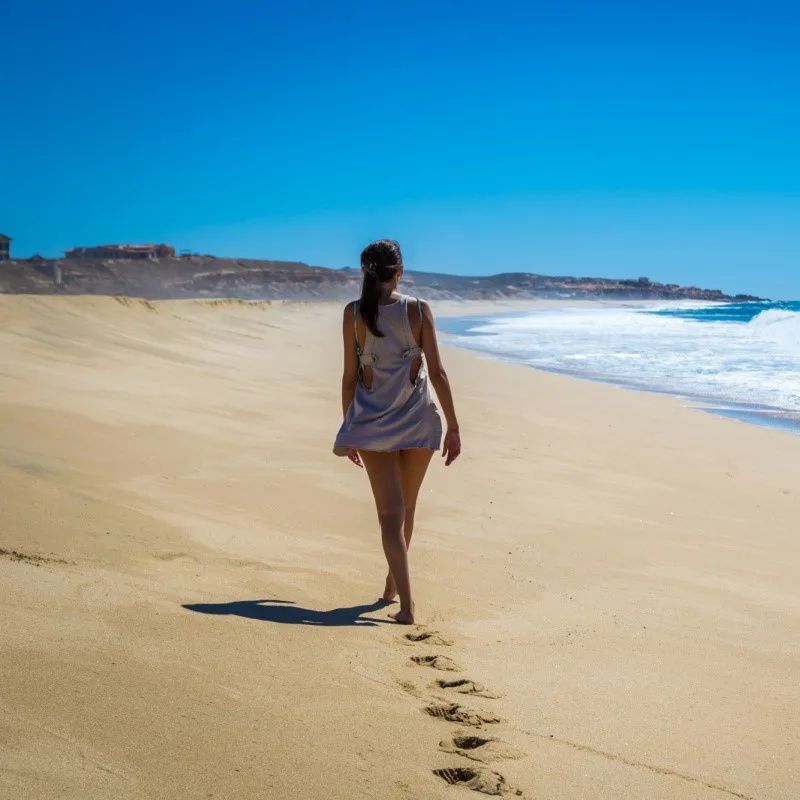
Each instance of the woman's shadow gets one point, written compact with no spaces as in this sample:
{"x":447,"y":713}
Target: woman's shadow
{"x":287,"y":613}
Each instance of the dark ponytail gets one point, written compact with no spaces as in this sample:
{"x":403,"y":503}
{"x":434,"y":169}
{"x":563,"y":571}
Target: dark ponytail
{"x":379,"y":263}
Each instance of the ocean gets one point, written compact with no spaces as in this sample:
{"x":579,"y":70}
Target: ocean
{"x":740,"y":360}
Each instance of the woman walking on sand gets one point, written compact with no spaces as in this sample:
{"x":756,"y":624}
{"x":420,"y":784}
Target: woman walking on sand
{"x":391,"y":424}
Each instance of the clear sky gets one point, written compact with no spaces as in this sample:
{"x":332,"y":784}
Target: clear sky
{"x":592,"y":138}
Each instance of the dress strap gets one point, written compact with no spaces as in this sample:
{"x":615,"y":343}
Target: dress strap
{"x":419,"y":311}
{"x":359,"y":352}
{"x":412,"y":351}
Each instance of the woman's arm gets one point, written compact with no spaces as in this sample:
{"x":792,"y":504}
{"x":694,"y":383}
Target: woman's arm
{"x":350,"y":372}
{"x":441,"y":384}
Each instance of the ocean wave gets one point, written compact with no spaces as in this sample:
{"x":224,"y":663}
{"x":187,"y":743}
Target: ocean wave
{"x":778,"y":326}
{"x":738,"y":354}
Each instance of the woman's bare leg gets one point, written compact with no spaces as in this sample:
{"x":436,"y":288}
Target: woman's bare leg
{"x":387,"y":486}
{"x":413,"y":467}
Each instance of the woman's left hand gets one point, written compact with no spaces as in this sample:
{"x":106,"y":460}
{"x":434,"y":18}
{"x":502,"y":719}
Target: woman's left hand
{"x":451,"y":448}
{"x":354,"y":457}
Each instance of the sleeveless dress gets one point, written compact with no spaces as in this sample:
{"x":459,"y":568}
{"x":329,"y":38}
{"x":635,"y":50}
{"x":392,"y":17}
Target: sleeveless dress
{"x":393,"y":413}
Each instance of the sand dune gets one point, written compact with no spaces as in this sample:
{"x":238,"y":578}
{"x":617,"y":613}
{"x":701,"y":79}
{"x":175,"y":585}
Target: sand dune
{"x":607,"y":582}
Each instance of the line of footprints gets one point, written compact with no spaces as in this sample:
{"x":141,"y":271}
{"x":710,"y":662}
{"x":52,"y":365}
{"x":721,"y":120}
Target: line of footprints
{"x":469,"y":741}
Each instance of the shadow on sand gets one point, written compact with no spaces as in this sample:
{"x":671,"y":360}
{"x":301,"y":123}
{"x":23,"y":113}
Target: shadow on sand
{"x":287,"y":613}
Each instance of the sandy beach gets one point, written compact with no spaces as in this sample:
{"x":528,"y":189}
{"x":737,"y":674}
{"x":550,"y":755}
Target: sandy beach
{"x":609,"y":582}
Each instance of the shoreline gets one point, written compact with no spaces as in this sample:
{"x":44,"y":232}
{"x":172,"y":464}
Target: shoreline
{"x":780,"y":419}
{"x":189,"y":577}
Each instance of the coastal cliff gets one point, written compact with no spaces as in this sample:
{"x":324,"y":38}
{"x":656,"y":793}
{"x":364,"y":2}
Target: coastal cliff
{"x":206,"y":276}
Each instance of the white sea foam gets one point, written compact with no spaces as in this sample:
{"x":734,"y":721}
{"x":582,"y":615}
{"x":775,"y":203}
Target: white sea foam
{"x":754,"y":364}
{"x":779,"y":326}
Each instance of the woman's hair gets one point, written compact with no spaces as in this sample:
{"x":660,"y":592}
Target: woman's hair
{"x":379,"y":263}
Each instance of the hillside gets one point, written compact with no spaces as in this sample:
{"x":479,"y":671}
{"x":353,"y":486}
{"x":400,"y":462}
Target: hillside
{"x":206,"y":276}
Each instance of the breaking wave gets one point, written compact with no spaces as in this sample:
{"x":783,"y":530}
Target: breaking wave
{"x":737,"y":355}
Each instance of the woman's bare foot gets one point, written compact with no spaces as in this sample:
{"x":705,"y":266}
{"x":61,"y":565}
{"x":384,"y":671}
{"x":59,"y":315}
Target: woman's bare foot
{"x":404,"y":617}
{"x":390,"y":591}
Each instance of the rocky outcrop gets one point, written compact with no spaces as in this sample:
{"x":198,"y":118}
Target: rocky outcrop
{"x":206,"y":276}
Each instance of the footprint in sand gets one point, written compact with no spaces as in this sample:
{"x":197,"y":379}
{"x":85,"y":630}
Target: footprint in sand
{"x":429,"y":637}
{"x":478,"y":748}
{"x":479,"y":780}
{"x":409,"y":688}
{"x":465,"y":686}
{"x":453,"y":712}
{"x":442,"y":663}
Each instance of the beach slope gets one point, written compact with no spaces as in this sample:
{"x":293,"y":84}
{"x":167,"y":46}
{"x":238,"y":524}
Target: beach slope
{"x":607,"y":582}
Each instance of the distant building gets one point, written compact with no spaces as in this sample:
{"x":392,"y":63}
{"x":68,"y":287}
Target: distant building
{"x":122,"y":251}
{"x":5,"y":248}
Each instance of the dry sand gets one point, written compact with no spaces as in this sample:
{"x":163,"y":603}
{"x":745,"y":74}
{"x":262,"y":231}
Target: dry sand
{"x":188,"y":577}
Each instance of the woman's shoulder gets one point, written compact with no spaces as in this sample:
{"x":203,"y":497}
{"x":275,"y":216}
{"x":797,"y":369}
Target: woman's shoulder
{"x":418,"y":304}
{"x":417,"y":310}
{"x":350,"y":310}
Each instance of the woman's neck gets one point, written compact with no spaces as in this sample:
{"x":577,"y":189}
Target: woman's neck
{"x":386,"y":294}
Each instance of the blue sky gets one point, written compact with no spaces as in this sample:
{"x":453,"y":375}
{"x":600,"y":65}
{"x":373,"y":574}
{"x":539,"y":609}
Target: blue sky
{"x":613,"y":138}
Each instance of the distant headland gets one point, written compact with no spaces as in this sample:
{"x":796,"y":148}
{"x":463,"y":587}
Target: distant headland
{"x":155,"y":272}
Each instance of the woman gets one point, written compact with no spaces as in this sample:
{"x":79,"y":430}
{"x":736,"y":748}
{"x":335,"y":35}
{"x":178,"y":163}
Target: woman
{"x":391,"y":424}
